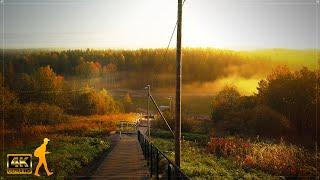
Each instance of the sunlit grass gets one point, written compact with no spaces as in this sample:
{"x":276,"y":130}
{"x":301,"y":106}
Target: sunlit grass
{"x":197,"y":163}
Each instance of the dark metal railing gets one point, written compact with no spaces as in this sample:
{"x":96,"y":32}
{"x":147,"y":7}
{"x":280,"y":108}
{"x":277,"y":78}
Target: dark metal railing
{"x":160,"y":166}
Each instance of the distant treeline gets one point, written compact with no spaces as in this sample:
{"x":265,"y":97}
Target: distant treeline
{"x":154,"y":66}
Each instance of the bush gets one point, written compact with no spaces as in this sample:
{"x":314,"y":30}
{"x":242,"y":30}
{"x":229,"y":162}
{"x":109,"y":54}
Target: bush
{"x":269,"y":123}
{"x":229,"y":147}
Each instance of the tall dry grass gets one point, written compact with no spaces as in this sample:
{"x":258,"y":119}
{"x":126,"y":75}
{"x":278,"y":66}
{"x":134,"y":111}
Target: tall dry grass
{"x":276,"y":158}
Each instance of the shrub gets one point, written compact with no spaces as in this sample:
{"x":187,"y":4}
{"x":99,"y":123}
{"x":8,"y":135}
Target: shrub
{"x":229,"y":147}
{"x":269,"y":123}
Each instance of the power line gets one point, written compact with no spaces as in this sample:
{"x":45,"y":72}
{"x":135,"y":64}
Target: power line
{"x":172,"y":34}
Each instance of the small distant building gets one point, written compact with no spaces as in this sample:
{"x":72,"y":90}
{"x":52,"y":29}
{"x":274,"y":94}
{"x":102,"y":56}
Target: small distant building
{"x":202,"y":118}
{"x":151,"y":117}
{"x":141,"y":111}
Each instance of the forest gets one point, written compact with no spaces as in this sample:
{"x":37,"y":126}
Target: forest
{"x":69,"y":92}
{"x":136,"y":68}
{"x":44,"y":77}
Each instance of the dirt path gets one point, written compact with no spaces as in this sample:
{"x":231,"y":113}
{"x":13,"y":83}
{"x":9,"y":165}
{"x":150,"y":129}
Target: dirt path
{"x":125,"y":161}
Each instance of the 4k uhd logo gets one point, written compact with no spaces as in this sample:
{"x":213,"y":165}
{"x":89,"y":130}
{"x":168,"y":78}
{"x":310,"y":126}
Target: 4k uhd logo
{"x":19,"y":163}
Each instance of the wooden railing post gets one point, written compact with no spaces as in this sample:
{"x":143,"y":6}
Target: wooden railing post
{"x":157,"y":164}
{"x":169,"y":171}
{"x":152,"y":155}
{"x":147,"y":151}
{"x":145,"y":147}
{"x":151,"y":160}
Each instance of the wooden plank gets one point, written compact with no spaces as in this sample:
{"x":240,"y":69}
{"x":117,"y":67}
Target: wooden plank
{"x":125,"y":161}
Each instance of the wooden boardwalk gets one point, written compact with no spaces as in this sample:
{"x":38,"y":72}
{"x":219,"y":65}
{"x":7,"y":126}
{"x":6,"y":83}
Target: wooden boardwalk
{"x":125,"y":161}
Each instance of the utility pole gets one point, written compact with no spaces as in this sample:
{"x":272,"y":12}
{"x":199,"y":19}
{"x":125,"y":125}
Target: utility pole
{"x":148,"y":109}
{"x":170,"y":104}
{"x":178,"y":88}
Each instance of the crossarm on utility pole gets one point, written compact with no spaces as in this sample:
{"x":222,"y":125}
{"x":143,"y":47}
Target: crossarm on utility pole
{"x":158,"y":109}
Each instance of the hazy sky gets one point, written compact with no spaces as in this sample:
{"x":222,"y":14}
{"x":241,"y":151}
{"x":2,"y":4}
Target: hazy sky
{"x":235,"y":24}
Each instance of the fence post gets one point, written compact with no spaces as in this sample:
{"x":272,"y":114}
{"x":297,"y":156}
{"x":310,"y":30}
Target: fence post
{"x":151,"y":159}
{"x":169,"y":171}
{"x":145,"y":147}
{"x":147,"y":151}
{"x":152,"y":155}
{"x":157,"y":164}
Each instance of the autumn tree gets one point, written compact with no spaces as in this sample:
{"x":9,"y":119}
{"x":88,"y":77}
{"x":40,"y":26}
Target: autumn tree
{"x":127,"y":103}
{"x":88,"y":69}
{"x":293,"y":94}
{"x":224,"y":103}
{"x":7,"y":97}
{"x":285,"y":105}
{"x":41,"y":86}
{"x":234,"y":114}
{"x":92,"y":102}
